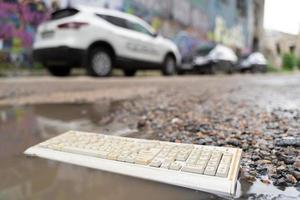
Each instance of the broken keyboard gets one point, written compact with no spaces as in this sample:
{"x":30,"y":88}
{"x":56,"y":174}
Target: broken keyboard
{"x":206,"y":168}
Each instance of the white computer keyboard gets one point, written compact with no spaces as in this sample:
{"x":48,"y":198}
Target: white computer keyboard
{"x":206,"y":168}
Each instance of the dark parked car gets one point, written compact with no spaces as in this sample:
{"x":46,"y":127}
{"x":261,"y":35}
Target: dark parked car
{"x":210,"y":59}
{"x":254,"y":62}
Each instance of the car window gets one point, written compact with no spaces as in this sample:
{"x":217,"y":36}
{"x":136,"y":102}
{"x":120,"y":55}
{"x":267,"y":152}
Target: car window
{"x":117,"y":21}
{"x":203,"y":52}
{"x":63,"y":13}
{"x":121,"y":22}
{"x":138,"y":28}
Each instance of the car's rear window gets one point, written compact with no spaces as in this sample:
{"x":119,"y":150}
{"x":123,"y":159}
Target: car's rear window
{"x":203,"y":51}
{"x":117,"y":21}
{"x":63,"y":13}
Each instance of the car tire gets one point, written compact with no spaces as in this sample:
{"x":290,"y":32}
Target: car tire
{"x":231,"y":68}
{"x":100,"y":63}
{"x":264,"y":69}
{"x":181,"y":72}
{"x":129,"y":72}
{"x":169,"y":66}
{"x":261,"y":68}
{"x":254,"y":69}
{"x":59,"y":70}
{"x":216,"y":68}
{"x":222,"y":68}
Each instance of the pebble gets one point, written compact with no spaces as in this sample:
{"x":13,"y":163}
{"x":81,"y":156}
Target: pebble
{"x":281,"y":168}
{"x":280,"y":182}
{"x":265,"y":180}
{"x":264,"y":153}
{"x":297,"y":165}
{"x":255,"y":157}
{"x":265,"y":161}
{"x":177,"y":121}
{"x":291,"y":179}
{"x":296,"y":174}
{"x":262,"y":170}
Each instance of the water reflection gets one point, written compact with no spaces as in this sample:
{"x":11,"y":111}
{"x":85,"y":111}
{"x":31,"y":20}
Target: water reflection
{"x":34,"y":178}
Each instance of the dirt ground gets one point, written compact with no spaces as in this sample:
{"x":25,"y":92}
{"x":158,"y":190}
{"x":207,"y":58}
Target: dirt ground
{"x":258,"y":113}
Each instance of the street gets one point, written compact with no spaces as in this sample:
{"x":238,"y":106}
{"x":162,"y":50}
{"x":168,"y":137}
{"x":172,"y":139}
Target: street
{"x":258,"y":113}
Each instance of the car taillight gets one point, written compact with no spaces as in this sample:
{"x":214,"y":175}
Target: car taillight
{"x":72,"y":25}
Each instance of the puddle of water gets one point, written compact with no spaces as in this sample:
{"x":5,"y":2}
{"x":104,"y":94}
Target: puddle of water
{"x":34,"y":178}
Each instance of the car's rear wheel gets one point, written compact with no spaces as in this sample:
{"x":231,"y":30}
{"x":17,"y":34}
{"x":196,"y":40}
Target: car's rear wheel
{"x":100,"y":62}
{"x":217,"y":68}
{"x":169,"y":66}
{"x":129,"y":72}
{"x":222,"y":68}
{"x":181,"y":72}
{"x":259,"y":69}
{"x":59,"y":70}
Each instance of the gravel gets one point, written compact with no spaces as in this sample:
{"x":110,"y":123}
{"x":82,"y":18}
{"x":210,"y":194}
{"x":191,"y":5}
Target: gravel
{"x":269,"y":139}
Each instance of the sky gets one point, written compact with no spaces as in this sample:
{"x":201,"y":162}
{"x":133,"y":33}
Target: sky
{"x":282,"y":15}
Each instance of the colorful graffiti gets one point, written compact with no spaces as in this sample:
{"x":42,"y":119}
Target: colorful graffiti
{"x":18,"y":23}
{"x":189,"y":23}
{"x":229,"y":36}
{"x":186,"y":24}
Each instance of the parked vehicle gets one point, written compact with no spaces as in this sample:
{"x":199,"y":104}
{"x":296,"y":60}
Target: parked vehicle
{"x":255,"y":62}
{"x":211,"y":59}
{"x":100,"y":40}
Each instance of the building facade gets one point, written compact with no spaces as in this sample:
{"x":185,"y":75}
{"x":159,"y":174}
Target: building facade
{"x":277,"y":44}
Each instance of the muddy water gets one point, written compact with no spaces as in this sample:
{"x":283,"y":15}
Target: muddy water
{"x":34,"y":178}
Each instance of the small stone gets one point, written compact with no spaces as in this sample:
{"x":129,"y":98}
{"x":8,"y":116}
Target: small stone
{"x":291,"y":179}
{"x":265,"y":180}
{"x":201,"y":142}
{"x":141,"y":123}
{"x":280,"y":182}
{"x":262,"y":170}
{"x":289,"y":160}
{"x":255,"y":157}
{"x":296,"y":174}
{"x":264,"y":161}
{"x":200,"y":135}
{"x":245,"y":147}
{"x":177,"y":121}
{"x":234,"y":142}
{"x":297,"y":165}
{"x":264,"y":153}
{"x":281,"y":168}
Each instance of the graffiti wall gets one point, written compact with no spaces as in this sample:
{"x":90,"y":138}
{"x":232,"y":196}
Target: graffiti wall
{"x":18,"y":23}
{"x":188,"y":22}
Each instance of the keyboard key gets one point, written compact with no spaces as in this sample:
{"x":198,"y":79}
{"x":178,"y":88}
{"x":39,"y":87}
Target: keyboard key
{"x":213,"y":163}
{"x":224,"y":166}
{"x":193,"y":169}
{"x":175,"y":166}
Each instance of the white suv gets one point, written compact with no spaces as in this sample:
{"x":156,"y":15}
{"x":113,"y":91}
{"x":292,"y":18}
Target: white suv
{"x":101,"y":39}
